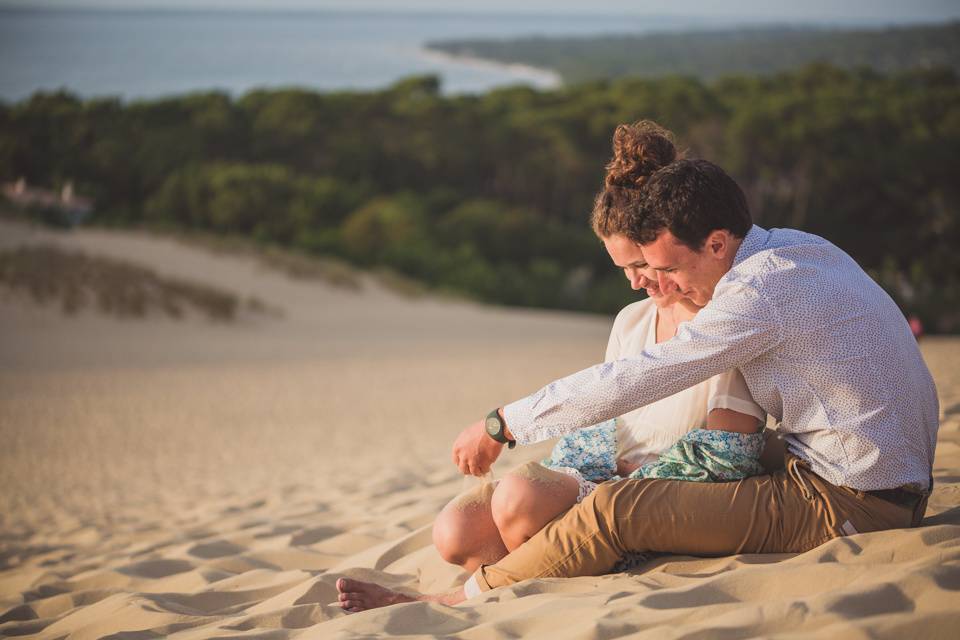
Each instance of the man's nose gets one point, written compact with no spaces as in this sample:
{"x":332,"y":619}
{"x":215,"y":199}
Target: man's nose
{"x":665,"y":283}
{"x":636,"y":280}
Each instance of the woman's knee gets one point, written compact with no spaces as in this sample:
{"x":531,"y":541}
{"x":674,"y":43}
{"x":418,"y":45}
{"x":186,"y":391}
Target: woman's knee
{"x":450,"y":536}
{"x":515,"y":497}
{"x":464,"y":530}
{"x":529,"y":498}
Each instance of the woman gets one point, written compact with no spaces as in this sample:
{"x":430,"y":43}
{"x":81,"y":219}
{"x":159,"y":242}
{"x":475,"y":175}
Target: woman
{"x":482,"y":526}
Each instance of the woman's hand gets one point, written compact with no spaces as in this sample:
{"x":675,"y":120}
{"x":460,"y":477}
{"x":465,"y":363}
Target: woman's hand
{"x":625,"y":468}
{"x":474,"y":451}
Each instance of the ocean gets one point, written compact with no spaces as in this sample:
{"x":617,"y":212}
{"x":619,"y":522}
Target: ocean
{"x":146,"y":54}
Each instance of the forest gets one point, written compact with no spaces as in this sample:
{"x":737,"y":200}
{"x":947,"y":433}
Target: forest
{"x":489,"y":195}
{"x":711,"y":54}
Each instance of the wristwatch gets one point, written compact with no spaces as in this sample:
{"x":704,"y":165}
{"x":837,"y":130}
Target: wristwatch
{"x":495,"y":428}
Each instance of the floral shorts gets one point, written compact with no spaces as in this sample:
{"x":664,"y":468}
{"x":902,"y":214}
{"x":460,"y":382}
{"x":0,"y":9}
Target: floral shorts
{"x":702,"y":455}
{"x":589,"y":455}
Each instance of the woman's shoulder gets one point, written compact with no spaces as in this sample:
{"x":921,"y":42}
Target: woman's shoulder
{"x":635,"y":312}
{"x":634,"y":315}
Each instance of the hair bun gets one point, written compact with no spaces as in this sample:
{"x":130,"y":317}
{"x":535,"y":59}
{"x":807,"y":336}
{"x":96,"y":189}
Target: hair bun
{"x":639,"y":150}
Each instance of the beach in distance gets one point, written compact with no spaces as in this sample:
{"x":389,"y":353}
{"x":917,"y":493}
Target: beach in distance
{"x":203,"y":445}
{"x":128,"y":53}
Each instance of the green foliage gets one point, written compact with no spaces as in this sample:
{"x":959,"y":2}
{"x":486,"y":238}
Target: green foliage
{"x":713,"y":54}
{"x":384,"y":228}
{"x":490,"y":195}
{"x":268,"y":202}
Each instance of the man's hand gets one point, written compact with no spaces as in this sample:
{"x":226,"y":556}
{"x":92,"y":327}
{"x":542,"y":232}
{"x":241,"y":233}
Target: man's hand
{"x":474,"y":451}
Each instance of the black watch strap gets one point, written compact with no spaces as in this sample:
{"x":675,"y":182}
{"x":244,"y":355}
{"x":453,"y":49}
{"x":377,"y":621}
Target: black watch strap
{"x":496,"y":428}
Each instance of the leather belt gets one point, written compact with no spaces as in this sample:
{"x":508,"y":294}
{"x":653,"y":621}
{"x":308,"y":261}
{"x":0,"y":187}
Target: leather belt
{"x":898,"y":496}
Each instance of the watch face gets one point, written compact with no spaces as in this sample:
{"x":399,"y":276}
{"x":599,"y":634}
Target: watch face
{"x":493,"y":426}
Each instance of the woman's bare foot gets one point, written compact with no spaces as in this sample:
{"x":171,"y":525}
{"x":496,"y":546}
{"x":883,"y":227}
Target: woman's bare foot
{"x":356,"y":595}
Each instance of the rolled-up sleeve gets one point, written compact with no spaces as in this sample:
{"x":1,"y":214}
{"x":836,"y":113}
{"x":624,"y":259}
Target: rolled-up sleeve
{"x":737,"y":326}
{"x":728,"y":390}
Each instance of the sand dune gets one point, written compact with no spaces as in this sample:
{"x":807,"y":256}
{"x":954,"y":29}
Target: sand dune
{"x":194,"y":479}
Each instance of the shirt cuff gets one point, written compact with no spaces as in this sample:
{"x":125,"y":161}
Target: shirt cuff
{"x":515,"y":414}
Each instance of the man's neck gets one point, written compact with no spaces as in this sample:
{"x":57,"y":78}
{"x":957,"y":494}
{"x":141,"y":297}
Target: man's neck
{"x":729,"y":258}
{"x":734,"y":249}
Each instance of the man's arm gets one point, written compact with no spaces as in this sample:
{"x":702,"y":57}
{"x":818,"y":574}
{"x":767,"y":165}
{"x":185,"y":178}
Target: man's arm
{"x":474,"y":451}
{"x":736,"y":327}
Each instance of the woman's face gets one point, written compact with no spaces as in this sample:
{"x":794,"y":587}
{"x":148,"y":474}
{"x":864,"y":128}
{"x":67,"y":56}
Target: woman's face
{"x":627,"y":255}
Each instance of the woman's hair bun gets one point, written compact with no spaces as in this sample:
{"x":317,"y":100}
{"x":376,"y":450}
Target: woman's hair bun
{"x":639,"y":149}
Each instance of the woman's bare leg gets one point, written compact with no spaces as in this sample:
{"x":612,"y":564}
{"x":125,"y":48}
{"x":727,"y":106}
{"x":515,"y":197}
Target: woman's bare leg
{"x":477,"y":528}
{"x":528,"y":498}
{"x":465,"y":534}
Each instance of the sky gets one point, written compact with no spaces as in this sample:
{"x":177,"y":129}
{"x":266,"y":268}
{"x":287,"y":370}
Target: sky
{"x":872,"y":11}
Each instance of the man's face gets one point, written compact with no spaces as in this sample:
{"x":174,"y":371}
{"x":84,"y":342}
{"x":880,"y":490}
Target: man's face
{"x":627,"y":255}
{"x":693,"y":274}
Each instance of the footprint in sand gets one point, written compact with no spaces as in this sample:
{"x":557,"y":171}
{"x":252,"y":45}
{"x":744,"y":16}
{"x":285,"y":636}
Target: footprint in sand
{"x":885,"y":599}
{"x":310,"y":536}
{"x":156,"y":568}
{"x":216,"y":549}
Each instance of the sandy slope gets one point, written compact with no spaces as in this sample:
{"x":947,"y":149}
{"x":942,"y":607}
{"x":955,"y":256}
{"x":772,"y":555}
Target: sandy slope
{"x":189,"y":479}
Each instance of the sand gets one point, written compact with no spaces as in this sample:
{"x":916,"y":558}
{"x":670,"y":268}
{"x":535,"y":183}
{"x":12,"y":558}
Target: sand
{"x":194,"y":479}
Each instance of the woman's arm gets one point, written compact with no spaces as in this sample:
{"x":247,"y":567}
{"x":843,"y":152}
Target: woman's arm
{"x":625,"y":468}
{"x":730,"y":420}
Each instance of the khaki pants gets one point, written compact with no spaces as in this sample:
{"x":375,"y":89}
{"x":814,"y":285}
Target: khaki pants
{"x":789,"y":511}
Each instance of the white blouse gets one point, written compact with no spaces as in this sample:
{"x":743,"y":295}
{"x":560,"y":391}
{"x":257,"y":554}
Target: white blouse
{"x":644,"y":433}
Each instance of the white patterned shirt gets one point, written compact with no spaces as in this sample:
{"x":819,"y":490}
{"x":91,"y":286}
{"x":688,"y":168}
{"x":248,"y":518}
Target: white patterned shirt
{"x":823,"y":349}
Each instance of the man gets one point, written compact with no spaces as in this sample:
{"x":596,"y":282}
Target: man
{"x":822,"y":348}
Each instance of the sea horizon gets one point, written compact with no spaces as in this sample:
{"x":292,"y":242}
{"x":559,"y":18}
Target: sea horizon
{"x":127,"y":52}
{"x":135,"y":53}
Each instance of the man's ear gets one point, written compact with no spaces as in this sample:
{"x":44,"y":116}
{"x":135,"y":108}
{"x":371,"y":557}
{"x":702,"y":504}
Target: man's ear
{"x":718,"y":243}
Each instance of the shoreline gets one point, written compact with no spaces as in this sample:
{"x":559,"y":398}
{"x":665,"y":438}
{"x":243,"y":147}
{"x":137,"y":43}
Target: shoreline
{"x":539,"y":77}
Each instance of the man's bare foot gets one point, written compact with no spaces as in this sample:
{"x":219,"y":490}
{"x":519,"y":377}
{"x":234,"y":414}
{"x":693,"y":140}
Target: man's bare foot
{"x":356,"y":595}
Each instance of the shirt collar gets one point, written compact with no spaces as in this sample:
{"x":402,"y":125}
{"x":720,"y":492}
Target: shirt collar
{"x":752,"y":243}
